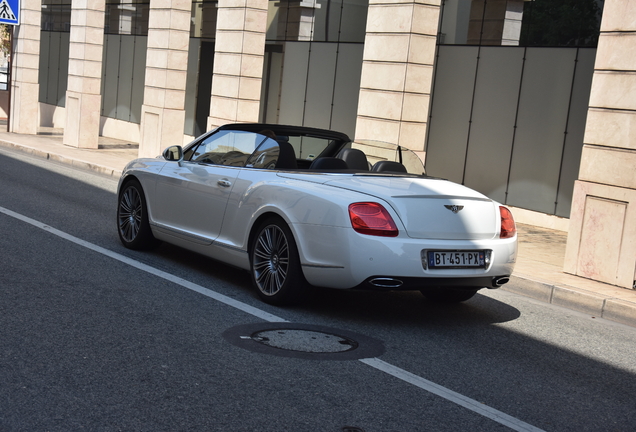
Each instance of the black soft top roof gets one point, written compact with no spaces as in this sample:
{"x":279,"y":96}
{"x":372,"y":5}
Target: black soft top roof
{"x":287,"y":130}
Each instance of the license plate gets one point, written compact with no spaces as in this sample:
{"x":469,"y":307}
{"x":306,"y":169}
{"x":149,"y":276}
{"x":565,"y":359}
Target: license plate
{"x":456,"y":259}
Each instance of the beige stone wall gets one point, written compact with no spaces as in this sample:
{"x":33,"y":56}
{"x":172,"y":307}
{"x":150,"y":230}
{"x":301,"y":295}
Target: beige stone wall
{"x":238,"y":62}
{"x":83,"y":94}
{"x":602,"y":236}
{"x":163,"y":110}
{"x":25,"y":70}
{"x":397,"y":71}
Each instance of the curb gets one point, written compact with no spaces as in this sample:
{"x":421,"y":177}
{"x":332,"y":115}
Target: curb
{"x":109,"y":172}
{"x":588,"y":302}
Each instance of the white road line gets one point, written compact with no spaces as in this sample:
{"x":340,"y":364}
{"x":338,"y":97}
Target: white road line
{"x":451,"y":396}
{"x":148,"y":269}
{"x":376,"y":363}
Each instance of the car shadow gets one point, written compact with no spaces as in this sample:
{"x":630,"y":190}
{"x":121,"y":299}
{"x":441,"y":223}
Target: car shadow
{"x":406,"y":308}
{"x":380,"y":307}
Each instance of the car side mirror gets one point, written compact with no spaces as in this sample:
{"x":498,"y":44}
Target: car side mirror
{"x":173,"y":153}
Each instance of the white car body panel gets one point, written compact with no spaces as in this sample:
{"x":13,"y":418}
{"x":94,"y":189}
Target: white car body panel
{"x":315,"y":207}
{"x":212,"y":209}
{"x":183,"y":187}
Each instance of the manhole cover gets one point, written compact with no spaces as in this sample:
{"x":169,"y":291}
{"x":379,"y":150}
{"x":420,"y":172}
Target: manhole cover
{"x":304,"y":341}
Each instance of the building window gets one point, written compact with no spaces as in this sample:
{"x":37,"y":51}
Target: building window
{"x":127,"y":18}
{"x":564,"y":23}
{"x":317,"y":20}
{"x":203,"y":21}
{"x":56,"y":15}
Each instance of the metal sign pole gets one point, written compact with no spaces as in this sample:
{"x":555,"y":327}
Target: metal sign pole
{"x":10,"y":15}
{"x":9,"y":78}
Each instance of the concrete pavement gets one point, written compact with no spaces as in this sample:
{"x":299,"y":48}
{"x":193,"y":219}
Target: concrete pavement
{"x":538,"y":273}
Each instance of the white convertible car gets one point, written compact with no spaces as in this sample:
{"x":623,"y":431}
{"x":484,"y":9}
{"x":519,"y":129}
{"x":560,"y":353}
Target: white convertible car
{"x":296,"y":205}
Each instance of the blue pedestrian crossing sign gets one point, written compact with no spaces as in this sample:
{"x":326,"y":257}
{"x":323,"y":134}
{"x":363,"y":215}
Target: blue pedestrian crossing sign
{"x":10,"y":12}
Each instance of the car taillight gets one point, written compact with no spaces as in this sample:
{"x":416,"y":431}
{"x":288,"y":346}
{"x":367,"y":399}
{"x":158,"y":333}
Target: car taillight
{"x":508,"y":228}
{"x":372,"y":219}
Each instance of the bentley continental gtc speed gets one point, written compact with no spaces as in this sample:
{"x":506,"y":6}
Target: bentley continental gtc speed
{"x":297,"y":206}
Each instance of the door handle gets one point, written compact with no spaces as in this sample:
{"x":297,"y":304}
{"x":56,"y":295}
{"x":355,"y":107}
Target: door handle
{"x":224,"y":183}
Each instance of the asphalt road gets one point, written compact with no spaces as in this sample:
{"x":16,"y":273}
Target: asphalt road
{"x":99,"y":338}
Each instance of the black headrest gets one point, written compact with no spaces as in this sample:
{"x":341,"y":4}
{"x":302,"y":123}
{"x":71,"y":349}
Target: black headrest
{"x":328,"y":163}
{"x":286,"y":156}
{"x":355,"y":159}
{"x":389,"y":166}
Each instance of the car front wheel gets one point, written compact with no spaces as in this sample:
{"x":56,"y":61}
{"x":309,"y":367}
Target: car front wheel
{"x":449,"y":295}
{"x":275,"y":265}
{"x":132,"y":217}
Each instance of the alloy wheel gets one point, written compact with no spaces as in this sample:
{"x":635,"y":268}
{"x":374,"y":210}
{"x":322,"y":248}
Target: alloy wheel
{"x":271,"y":260}
{"x":130,"y":214}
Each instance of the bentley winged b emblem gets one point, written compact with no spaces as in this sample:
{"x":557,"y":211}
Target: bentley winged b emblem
{"x":454,"y":208}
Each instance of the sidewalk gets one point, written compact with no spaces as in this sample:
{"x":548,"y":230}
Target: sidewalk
{"x":538,"y":273}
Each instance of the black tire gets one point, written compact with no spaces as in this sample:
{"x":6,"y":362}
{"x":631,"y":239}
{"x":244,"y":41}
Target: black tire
{"x":275,"y":264}
{"x":449,"y":295}
{"x":132,"y":217}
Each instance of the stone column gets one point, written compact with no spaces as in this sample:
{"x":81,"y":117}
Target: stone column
{"x":397,"y":70}
{"x":163,"y":110}
{"x":602,"y":235}
{"x":25,"y":65}
{"x":238,"y":62}
{"x":83,"y":93}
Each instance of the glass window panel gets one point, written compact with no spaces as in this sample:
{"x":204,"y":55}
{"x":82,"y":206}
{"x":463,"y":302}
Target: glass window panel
{"x":45,"y":52}
{"x":320,"y":80}
{"x":203,"y":23}
{"x":317,"y":20}
{"x":56,"y":15}
{"x":561,"y":23}
{"x":347,"y":88}
{"x":454,"y":25}
{"x":576,"y":129}
{"x":139,"y":77}
{"x":191,"y":86}
{"x":541,"y":125}
{"x":450,"y":112}
{"x":266,"y":156}
{"x":493,"y":120}
{"x":128,"y":17}
{"x":53,"y":67}
{"x":110,"y":67}
{"x":308,"y":148}
{"x":354,"y":21}
{"x":62,"y":79}
{"x":273,"y":68}
{"x":518,"y":22}
{"x":292,"y":92}
{"x":124,"y":82}
{"x":231,"y":148}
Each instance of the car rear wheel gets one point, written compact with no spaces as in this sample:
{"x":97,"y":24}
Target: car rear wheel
{"x":449,"y":295}
{"x":132,"y":217}
{"x":275,"y":265}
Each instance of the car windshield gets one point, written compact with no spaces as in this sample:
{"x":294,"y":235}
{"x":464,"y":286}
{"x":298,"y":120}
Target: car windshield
{"x":377,"y":151}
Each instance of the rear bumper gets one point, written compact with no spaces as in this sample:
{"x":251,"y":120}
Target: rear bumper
{"x":390,"y":283}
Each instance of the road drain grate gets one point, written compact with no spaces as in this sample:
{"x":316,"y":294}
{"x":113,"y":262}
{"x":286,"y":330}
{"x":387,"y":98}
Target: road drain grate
{"x":304,"y":341}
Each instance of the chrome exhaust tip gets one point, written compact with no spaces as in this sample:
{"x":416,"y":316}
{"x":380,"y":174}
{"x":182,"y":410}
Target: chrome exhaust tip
{"x":386,"y":282}
{"x":500,"y":280}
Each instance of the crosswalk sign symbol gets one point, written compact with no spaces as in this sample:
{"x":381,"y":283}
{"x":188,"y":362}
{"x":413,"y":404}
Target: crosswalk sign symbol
{"x":5,"y":11}
{"x":9,"y":12}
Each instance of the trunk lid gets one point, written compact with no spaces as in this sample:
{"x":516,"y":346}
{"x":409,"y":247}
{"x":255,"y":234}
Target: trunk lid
{"x":429,"y":208}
